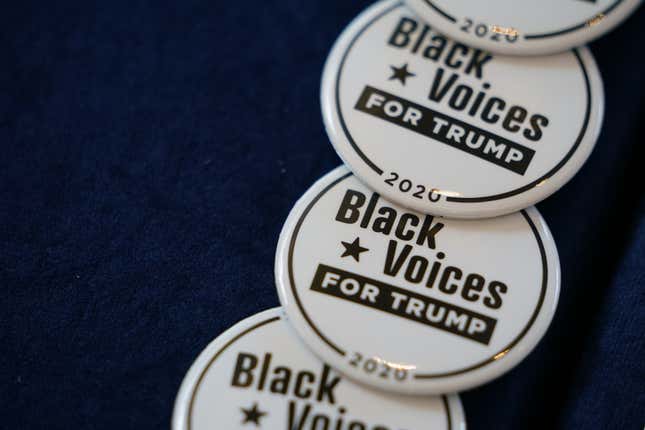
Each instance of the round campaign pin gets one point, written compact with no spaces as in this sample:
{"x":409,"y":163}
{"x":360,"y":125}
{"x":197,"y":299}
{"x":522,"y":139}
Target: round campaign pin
{"x":259,"y":375}
{"x":524,"y":27}
{"x":454,"y":131}
{"x":409,"y":302}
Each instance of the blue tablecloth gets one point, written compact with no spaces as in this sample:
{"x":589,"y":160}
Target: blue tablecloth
{"x":149,"y":154}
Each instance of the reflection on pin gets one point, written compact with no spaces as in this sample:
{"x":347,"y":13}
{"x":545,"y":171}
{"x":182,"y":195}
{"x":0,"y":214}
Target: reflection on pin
{"x":596,"y":20}
{"x":394,"y":365}
{"x":446,"y":193}
{"x":508,"y":31}
{"x":500,"y":355}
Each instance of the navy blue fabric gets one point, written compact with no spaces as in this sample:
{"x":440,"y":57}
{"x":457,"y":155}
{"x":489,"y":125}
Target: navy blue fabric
{"x":149,"y":154}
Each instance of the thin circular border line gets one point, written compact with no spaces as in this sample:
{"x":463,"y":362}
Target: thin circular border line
{"x":343,"y":125}
{"x":558,"y":166}
{"x":215,"y":357}
{"x":446,"y":403}
{"x":493,"y":197}
{"x":506,"y":350}
{"x":342,"y":352}
{"x":537,"y":35}
{"x":573,"y":28}
{"x":441,"y":12}
{"x":292,"y":244}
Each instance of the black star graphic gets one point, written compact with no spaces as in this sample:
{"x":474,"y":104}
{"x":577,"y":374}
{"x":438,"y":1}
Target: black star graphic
{"x":253,"y":415}
{"x":401,"y":73}
{"x":354,"y":249}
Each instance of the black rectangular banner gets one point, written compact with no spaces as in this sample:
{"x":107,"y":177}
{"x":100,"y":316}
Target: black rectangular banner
{"x":403,"y":303}
{"x":443,"y":128}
